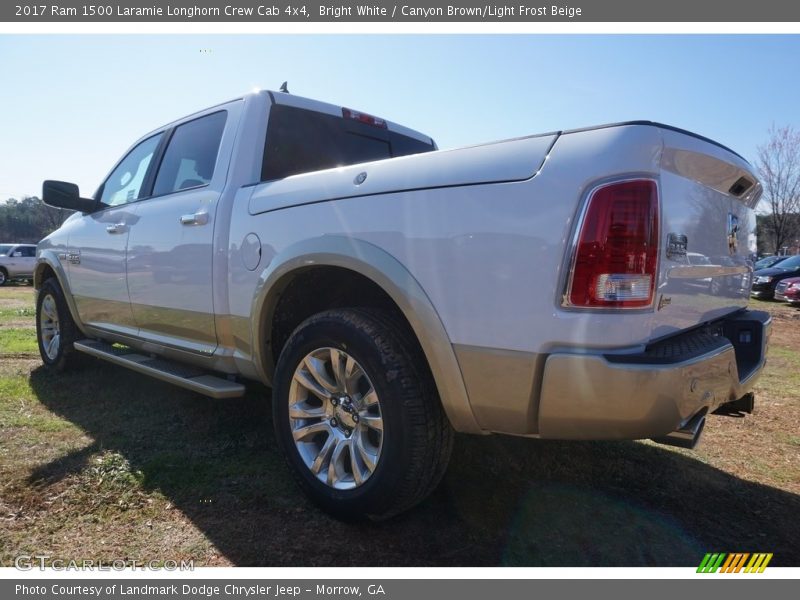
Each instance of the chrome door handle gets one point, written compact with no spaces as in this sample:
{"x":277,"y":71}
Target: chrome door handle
{"x":198,"y":218}
{"x":116,"y":228}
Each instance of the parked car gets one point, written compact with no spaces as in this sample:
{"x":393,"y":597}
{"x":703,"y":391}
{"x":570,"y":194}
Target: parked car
{"x":696,"y":259}
{"x":391,"y":294}
{"x":17,"y":261}
{"x":788,"y":290}
{"x":738,"y":282}
{"x":765,"y":280}
{"x":768,"y":261}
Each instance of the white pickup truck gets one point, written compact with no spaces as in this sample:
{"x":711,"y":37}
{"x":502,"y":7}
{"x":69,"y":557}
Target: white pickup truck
{"x":391,"y":294}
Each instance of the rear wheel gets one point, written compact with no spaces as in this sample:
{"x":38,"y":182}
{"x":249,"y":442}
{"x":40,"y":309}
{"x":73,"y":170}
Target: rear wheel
{"x":55,"y":329}
{"x":357,"y":415}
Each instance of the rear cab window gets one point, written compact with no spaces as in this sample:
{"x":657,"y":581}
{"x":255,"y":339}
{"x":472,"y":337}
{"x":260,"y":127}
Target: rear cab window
{"x":301,"y":141}
{"x":191,"y":155}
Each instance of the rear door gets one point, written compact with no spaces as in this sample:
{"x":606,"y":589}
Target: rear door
{"x":708,"y":198}
{"x":20,"y":261}
{"x":170,"y":251}
{"x":27,"y":261}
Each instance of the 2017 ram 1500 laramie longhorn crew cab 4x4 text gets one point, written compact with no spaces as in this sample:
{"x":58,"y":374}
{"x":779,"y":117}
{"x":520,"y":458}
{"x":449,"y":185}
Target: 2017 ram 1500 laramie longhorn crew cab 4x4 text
{"x":391,"y":294}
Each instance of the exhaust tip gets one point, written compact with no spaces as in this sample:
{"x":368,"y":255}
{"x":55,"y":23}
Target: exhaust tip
{"x":737,"y":408}
{"x":687,"y":436}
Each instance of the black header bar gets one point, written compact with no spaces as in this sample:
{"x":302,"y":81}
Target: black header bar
{"x":437,"y":11}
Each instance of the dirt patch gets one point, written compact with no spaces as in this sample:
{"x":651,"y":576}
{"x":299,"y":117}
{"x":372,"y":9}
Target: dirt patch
{"x":14,"y":297}
{"x":785,"y":322}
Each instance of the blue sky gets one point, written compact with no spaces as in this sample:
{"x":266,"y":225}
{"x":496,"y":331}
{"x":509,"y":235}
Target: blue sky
{"x":71,"y":105}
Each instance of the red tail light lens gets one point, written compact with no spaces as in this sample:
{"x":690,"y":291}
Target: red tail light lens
{"x":364,"y":118}
{"x":617,"y":253}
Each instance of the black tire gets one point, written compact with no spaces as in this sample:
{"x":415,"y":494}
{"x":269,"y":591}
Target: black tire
{"x":66,"y":356}
{"x":417,"y":438}
{"x":3,"y":277}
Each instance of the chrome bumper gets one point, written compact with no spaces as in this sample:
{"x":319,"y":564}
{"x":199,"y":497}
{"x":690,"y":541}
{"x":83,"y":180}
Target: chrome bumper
{"x":654,"y":393}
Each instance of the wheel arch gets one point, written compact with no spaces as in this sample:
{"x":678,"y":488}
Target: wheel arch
{"x":48,"y":266}
{"x":393,"y":279}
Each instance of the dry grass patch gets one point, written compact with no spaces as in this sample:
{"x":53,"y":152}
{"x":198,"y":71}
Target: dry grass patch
{"x":103,"y":463}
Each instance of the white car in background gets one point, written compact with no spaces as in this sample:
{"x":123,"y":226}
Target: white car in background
{"x":17,"y":261}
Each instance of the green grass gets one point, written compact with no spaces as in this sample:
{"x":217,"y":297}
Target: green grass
{"x":19,"y":407}
{"x":782,"y":373}
{"x":13,"y":313}
{"x":18,"y":340}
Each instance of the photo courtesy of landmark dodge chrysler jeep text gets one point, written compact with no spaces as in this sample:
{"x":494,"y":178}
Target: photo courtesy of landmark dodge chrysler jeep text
{"x":391,"y":294}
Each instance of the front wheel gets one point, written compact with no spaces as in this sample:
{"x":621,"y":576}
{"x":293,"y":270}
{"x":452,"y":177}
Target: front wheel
{"x":357,"y":415}
{"x":3,"y":277}
{"x":55,"y":329}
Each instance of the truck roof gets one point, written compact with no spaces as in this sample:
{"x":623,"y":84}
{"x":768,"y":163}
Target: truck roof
{"x":287,"y":99}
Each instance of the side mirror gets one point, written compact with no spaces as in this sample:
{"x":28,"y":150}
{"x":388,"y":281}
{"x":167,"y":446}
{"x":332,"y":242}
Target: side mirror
{"x":61,"y":194}
{"x":16,"y":254}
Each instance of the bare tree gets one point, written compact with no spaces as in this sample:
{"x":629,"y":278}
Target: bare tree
{"x":779,"y":169}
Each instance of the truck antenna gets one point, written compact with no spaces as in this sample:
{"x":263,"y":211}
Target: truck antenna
{"x":284,"y":87}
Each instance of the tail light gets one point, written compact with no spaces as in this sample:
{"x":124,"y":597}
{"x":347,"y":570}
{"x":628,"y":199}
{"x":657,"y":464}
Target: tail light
{"x":616,"y":257}
{"x":364,"y":118}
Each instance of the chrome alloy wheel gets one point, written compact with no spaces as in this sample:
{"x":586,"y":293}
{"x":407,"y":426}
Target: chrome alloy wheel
{"x":335,"y":418}
{"x":49,"y":327}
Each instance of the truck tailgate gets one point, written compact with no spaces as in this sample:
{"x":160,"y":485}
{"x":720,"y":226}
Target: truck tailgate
{"x":708,"y":196}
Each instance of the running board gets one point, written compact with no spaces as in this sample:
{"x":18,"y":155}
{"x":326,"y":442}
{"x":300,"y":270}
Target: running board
{"x":179,"y":374}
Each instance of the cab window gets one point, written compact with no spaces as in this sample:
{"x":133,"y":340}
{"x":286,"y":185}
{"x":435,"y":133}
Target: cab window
{"x":301,"y":141}
{"x":191,"y":155}
{"x":125,"y":182}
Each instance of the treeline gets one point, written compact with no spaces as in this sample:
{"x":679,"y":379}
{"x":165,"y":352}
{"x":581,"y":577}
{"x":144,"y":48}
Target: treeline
{"x":768,"y":241}
{"x":28,"y":220}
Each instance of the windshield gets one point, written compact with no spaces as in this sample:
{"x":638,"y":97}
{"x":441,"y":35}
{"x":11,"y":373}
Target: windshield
{"x":4,"y":248}
{"x":790,"y":263}
{"x":698,"y":259}
{"x":768,"y":261}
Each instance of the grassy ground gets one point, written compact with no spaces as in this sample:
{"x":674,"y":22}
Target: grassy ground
{"x":107,"y":464}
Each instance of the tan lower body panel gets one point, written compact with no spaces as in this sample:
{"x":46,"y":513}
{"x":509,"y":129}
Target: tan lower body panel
{"x":500,"y":386}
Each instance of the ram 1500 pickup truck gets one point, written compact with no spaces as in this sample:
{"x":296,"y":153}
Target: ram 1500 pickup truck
{"x":390,"y":293}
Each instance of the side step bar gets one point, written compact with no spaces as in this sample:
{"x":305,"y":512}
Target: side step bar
{"x":181,"y":375}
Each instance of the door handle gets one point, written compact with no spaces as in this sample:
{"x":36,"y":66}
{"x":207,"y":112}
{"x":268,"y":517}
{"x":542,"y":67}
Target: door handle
{"x":116,"y":228}
{"x":198,"y":218}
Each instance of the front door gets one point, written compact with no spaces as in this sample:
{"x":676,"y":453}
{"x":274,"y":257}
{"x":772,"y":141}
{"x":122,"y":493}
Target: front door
{"x":97,"y":245}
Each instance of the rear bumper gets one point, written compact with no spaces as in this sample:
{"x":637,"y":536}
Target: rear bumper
{"x":653,"y":393}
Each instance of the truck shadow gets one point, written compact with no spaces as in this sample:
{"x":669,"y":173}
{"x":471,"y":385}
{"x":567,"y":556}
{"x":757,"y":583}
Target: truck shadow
{"x":504,"y":501}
